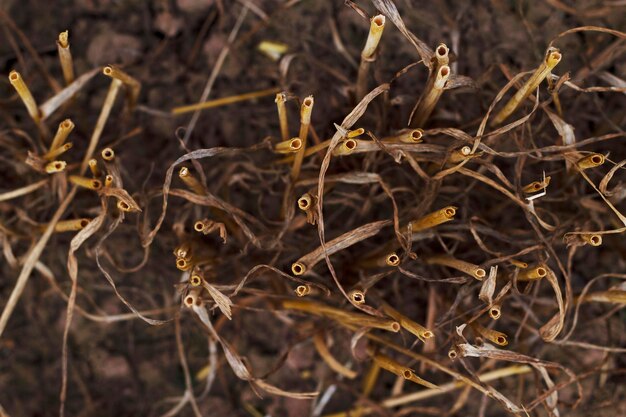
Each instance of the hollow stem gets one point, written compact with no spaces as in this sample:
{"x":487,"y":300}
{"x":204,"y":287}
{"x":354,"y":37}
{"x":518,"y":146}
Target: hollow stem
{"x":288,"y":146}
{"x":468,"y":268}
{"x":433,"y":219}
{"x":397,"y":368}
{"x":65,"y":57}
{"x":377,"y":26}
{"x":16,"y":80}
{"x":305,"y":121}
{"x":55,"y":166}
{"x":108,"y":154}
{"x":131,"y":84}
{"x":347,"y":317}
{"x":58,"y":151}
{"x":63,"y":131}
{"x":532,"y":273}
{"x":89,"y":183}
{"x":493,"y":336}
{"x":223,"y":101}
{"x":431,"y":96}
{"x":552,"y":58}
{"x":406,"y":136}
{"x":591,"y":161}
{"x":191,"y":181}
{"x":93,"y":167}
{"x":280,"y":100}
{"x":421,"y":332}
{"x":346,"y":147}
{"x":71,"y":225}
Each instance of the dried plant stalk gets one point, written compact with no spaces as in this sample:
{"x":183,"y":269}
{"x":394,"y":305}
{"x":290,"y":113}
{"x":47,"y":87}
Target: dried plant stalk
{"x":421,"y":332}
{"x":108,"y":154}
{"x":191,"y":181}
{"x":611,"y":296}
{"x":552,"y":58}
{"x":288,"y":146}
{"x":433,"y":219}
{"x":406,"y":136}
{"x":196,"y":280}
{"x":134,"y":86}
{"x":338,"y":244}
{"x":397,"y":368}
{"x":93,"y":167}
{"x":65,"y":57}
{"x":493,"y":336}
{"x":346,"y":147}
{"x":430,"y":97}
{"x":9,"y":195}
{"x":377,"y":26}
{"x":495,"y":311}
{"x":223,"y":101}
{"x":334,"y":364}
{"x":63,"y":131}
{"x":16,"y":80}
{"x":532,"y":273}
{"x":344,"y":316}
{"x":193,"y":298}
{"x":72,"y":225}
{"x":460,"y":155}
{"x":437,"y":79}
{"x":305,"y":121}
{"x":591,"y":161}
{"x":58,"y":151}
{"x":355,"y":133}
{"x":536,"y":186}
{"x":283,"y":119}
{"x":55,"y":166}
{"x":470,"y":269}
{"x":102,"y":118}
{"x":593,"y":239}
{"x":89,"y":183}
{"x":357,"y":297}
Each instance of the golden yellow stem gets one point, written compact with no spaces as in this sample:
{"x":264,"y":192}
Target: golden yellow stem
{"x":223,"y":101}
{"x":591,"y":161}
{"x":470,"y":269}
{"x":85,"y":182}
{"x":108,"y":154}
{"x":357,"y":297}
{"x":433,"y":219}
{"x":346,"y":147}
{"x":55,"y":166}
{"x":65,"y":57}
{"x":377,"y":26}
{"x":72,"y":225}
{"x":552,"y":58}
{"x":592,"y":238}
{"x":493,"y":336}
{"x":397,"y":368}
{"x":280,"y":100}
{"x":421,"y":332}
{"x":63,"y":131}
{"x":108,"y":180}
{"x":305,"y":122}
{"x":431,"y":96}
{"x":532,"y":273}
{"x":536,"y":186}
{"x":191,"y":181}
{"x":131,"y":83}
{"x":16,"y":80}
{"x":347,"y":317}
{"x":58,"y":151}
{"x":107,"y":106}
{"x":406,"y":136}
{"x":93,"y":167}
{"x":611,"y":296}
{"x":288,"y":146}
{"x":196,"y":280}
